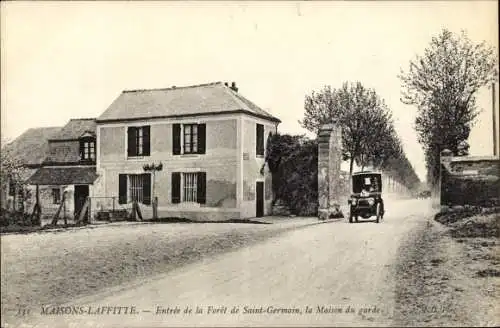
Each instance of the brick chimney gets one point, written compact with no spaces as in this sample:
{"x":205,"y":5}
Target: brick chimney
{"x":233,"y":87}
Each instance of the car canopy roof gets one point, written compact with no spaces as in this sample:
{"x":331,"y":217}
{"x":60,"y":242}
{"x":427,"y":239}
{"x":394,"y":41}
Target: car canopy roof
{"x":369,"y":181}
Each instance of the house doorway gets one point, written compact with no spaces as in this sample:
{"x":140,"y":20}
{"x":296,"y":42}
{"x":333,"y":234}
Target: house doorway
{"x":81,"y":194}
{"x":260,"y":199}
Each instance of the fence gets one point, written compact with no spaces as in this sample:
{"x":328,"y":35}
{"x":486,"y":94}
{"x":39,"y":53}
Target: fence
{"x":107,"y":209}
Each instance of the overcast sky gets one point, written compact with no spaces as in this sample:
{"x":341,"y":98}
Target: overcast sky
{"x":67,"y":60}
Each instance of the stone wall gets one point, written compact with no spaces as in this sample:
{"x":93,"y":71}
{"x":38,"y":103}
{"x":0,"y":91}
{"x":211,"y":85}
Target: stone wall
{"x":470,"y":180}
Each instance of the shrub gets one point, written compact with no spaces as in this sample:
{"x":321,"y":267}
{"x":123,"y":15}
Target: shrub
{"x":11,"y":218}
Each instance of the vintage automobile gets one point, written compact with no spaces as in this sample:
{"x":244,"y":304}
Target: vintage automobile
{"x":366,"y":198}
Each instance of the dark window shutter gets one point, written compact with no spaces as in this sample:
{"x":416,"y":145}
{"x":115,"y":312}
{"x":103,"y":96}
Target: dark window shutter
{"x":12,"y":187}
{"x":132,"y":141}
{"x":176,"y":187}
{"x":146,"y":188}
{"x":202,"y":138}
{"x":260,"y":139}
{"x":202,"y":188}
{"x":82,"y":149}
{"x":146,"y":137}
{"x":122,"y":189}
{"x":176,"y":139}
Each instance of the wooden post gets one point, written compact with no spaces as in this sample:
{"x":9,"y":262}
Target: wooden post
{"x":155,"y":207}
{"x":84,"y":212}
{"x":136,"y":211}
{"x":64,"y":212}
{"x":493,"y":119}
{"x":154,"y":198}
{"x":89,"y":219}
{"x":37,"y":212}
{"x":14,"y":199}
{"x":133,"y":214}
{"x":56,"y":216}
{"x":38,"y":207}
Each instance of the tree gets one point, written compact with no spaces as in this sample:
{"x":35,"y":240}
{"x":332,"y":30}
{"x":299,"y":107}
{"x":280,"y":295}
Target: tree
{"x":293,"y":162}
{"x":463,"y":148}
{"x":11,"y":173}
{"x":443,"y":83}
{"x":386,"y":148}
{"x":364,"y":117}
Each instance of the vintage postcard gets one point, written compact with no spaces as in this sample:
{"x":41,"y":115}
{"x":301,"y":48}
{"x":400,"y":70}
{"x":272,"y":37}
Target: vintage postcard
{"x":249,"y":164}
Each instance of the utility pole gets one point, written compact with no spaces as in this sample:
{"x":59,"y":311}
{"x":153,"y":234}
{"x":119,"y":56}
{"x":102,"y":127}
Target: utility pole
{"x":493,"y":113}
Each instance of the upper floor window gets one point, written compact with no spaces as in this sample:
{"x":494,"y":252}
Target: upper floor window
{"x":188,"y":139}
{"x":87,"y":149}
{"x":138,"y":138}
{"x":259,"y":146}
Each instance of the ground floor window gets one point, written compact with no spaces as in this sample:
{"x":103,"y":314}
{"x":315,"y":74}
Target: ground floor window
{"x":134,"y":187}
{"x":190,"y":184}
{"x":189,"y":187}
{"x":56,"y":196}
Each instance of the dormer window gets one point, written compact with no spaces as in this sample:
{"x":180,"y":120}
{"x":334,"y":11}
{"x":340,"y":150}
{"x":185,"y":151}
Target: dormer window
{"x":87,"y":149}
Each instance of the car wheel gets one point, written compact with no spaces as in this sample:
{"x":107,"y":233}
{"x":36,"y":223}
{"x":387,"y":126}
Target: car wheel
{"x":378,"y":213}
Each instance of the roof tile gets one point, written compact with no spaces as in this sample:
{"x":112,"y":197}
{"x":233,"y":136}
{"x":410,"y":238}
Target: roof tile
{"x":75,"y":128}
{"x":31,"y":147}
{"x":63,"y":176}
{"x":180,"y":101}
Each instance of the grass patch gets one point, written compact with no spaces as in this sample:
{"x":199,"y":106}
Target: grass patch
{"x":471,"y":222}
{"x":25,"y":229}
{"x":185,"y":220}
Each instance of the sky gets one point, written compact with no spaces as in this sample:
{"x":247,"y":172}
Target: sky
{"x":63,"y":60}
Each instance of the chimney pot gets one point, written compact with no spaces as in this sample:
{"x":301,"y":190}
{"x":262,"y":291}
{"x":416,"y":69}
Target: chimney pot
{"x":233,"y":87}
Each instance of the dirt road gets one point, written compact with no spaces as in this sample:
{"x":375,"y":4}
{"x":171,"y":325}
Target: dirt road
{"x":332,"y":274}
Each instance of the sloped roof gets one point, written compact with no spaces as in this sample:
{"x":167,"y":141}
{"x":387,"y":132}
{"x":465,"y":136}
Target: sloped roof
{"x":63,"y":176}
{"x":75,"y":128}
{"x":31,"y":147}
{"x":212,"y":98}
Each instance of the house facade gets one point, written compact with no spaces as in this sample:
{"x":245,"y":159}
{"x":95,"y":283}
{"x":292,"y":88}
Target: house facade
{"x":22,"y":157}
{"x":68,"y":172}
{"x":210,"y":141}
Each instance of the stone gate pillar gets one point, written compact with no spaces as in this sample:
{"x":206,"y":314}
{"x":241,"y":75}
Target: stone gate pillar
{"x":329,"y":159}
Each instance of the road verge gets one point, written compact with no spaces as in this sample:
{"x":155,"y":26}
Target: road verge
{"x":447,"y":273}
